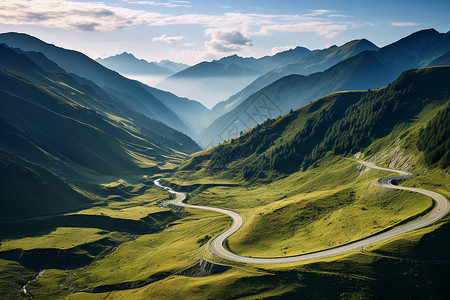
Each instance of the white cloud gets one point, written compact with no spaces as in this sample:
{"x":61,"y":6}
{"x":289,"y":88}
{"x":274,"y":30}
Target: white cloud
{"x":338,"y":16}
{"x":402,"y":24}
{"x":227,"y":32}
{"x":276,"y":50}
{"x":80,"y":16}
{"x":227,"y":41}
{"x":324,"y":28}
{"x":99,"y":16}
{"x":167,"y":39}
{"x":165,"y":4}
{"x":318,"y":12}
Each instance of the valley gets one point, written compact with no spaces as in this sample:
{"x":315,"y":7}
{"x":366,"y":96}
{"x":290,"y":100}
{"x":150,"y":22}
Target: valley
{"x":111,"y":188}
{"x":216,"y":247}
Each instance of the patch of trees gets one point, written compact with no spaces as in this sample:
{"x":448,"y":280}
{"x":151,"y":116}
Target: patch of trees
{"x":434,"y":140}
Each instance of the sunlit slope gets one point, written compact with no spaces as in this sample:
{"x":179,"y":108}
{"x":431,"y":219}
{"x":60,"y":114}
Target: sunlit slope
{"x":69,"y":133}
{"x":341,"y":123}
{"x":299,"y":186}
{"x":21,"y":181}
{"x":129,"y":92}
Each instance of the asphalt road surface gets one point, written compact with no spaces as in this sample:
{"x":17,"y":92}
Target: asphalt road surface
{"x":216,"y":245}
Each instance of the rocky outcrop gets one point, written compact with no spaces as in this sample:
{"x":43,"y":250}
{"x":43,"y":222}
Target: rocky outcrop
{"x":204,"y":268}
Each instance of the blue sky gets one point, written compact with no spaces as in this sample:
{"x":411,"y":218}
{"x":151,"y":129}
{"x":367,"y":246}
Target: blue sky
{"x":190,"y":31}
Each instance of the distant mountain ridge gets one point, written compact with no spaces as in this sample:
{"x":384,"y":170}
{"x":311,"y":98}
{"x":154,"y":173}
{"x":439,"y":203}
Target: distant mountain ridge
{"x":306,"y":63}
{"x":212,"y":81}
{"x":215,"y":69}
{"x":366,"y":70}
{"x":127,"y":63}
{"x":131,"y":92}
{"x":173,"y":66}
{"x":59,"y":133}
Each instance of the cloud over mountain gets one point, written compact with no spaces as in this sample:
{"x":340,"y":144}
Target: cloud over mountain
{"x":227,"y":41}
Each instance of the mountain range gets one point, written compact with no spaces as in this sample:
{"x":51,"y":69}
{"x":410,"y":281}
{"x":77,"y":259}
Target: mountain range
{"x":60,"y":133}
{"x":368,"y":69}
{"x":339,"y":124}
{"x":131,"y":92}
{"x":127,"y":63}
{"x":69,"y":118}
{"x":82,"y":149}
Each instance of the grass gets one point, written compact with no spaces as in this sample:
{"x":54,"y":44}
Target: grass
{"x":331,"y":203}
{"x":141,"y":258}
{"x":12,"y":277}
{"x":312,"y":210}
{"x":400,"y":271}
{"x":56,"y":239}
{"x":133,"y":208}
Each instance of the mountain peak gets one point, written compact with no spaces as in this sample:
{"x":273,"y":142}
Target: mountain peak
{"x":126,"y":54}
{"x":360,"y":45}
{"x":422,"y":33}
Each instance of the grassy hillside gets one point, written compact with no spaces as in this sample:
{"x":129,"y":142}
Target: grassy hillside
{"x":290,"y":212}
{"x":21,"y":181}
{"x":341,"y":123}
{"x":71,"y":132}
{"x":434,"y":140}
{"x":317,"y":196}
{"x":287,"y":211}
{"x":128,"y":92}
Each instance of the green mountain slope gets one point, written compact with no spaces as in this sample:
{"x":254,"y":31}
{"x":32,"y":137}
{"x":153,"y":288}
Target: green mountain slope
{"x":68,"y":132}
{"x":21,"y":181}
{"x":299,"y":187}
{"x":341,"y":123}
{"x":129,"y":92}
{"x":434,"y":140}
{"x":81,"y":92}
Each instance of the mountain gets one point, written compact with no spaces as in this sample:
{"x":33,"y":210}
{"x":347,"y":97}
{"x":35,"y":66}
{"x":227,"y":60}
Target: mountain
{"x":215,"y":69}
{"x":293,"y":91}
{"x":127,"y":63}
{"x":59,"y":136}
{"x":366,"y":70}
{"x":173,"y":66}
{"x":21,"y":180}
{"x":211,"y":82}
{"x":292,"y":62}
{"x":268,"y":63}
{"x":191,"y":112}
{"x":442,"y":60}
{"x":130,"y":92}
{"x":342,"y":124}
{"x":299,"y":186}
{"x":416,"y":50}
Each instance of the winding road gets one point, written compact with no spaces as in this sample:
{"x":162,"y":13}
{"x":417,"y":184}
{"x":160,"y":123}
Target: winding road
{"x":216,"y":245}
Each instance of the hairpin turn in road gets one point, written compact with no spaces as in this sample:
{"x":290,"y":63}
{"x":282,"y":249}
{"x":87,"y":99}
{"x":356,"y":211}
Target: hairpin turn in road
{"x":216,"y":245}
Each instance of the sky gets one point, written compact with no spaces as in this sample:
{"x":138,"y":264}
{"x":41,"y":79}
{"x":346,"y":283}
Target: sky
{"x":190,"y":31}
